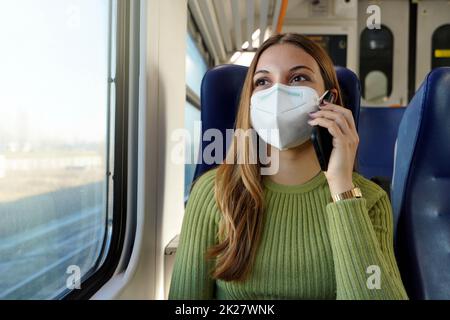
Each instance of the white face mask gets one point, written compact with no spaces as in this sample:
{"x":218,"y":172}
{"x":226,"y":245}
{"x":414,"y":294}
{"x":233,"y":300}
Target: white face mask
{"x":279,"y":114}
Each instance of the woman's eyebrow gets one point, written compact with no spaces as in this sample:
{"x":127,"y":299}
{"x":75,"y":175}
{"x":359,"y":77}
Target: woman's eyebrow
{"x":290,"y":70}
{"x":261,"y":71}
{"x":300,"y":67}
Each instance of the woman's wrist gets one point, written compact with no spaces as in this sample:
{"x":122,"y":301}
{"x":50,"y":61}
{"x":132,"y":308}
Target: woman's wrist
{"x":340,"y":185}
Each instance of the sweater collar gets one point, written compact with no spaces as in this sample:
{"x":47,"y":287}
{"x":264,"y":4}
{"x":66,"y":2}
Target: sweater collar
{"x":311,"y":184}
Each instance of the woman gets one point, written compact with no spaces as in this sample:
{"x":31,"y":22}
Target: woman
{"x":281,"y":236}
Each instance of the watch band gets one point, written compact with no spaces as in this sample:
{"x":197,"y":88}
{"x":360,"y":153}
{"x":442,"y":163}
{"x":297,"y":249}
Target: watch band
{"x":350,"y":194}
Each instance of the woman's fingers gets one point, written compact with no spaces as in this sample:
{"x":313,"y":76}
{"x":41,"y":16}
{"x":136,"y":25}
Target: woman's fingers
{"x":344,"y":111}
{"x":335,"y":116}
{"x":332,"y":126}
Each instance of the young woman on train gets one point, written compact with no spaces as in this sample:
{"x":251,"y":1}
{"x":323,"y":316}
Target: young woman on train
{"x":300,"y":233}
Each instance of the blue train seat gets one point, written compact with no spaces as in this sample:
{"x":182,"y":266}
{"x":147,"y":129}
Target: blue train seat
{"x":420,"y":190}
{"x":378,"y":128}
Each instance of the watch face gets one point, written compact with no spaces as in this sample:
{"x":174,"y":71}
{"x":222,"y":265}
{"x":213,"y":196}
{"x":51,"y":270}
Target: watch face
{"x":357,"y":192}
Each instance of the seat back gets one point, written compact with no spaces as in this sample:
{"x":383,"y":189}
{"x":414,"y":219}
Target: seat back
{"x":220,"y":93}
{"x":378,"y":127}
{"x":420,"y":190}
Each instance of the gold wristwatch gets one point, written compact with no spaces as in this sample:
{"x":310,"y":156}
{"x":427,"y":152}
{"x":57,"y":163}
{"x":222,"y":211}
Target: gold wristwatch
{"x":350,"y":194}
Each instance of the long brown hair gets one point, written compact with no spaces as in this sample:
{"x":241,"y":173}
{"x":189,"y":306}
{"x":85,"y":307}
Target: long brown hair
{"x":239,"y":190}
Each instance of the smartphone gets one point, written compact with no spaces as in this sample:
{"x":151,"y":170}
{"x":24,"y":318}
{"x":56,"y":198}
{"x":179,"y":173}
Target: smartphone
{"x":322,"y":140}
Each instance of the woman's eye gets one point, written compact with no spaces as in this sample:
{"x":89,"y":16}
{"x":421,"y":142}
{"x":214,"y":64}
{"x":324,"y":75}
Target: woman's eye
{"x":260,"y":82}
{"x":299,"y":78}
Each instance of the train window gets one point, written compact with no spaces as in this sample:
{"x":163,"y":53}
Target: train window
{"x":440,"y":46}
{"x":196,"y":68}
{"x":54,"y":144}
{"x":191,"y":120}
{"x":376,"y":64}
{"x":376,"y":84}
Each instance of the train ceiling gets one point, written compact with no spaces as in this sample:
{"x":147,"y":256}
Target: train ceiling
{"x":230,"y":26}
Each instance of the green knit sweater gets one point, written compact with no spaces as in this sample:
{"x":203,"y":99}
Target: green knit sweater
{"x":310,"y":248}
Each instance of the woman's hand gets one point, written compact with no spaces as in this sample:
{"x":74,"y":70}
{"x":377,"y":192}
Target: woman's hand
{"x":340,"y":124}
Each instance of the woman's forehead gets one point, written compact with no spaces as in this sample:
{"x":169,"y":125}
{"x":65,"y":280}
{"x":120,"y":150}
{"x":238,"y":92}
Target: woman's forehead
{"x":283,"y":57}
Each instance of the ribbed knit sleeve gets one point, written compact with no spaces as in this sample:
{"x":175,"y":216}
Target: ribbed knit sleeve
{"x":362,"y":245}
{"x":190,"y":277}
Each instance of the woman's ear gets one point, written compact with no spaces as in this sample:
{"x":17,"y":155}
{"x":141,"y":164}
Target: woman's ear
{"x":335,"y":93}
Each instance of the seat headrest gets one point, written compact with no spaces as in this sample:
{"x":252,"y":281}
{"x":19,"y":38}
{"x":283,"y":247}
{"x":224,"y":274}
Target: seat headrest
{"x":423,"y":134}
{"x":351,"y":91}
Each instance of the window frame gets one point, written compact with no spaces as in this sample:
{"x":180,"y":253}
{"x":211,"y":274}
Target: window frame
{"x":118,"y":176}
{"x":435,"y":63}
{"x":388,"y":71}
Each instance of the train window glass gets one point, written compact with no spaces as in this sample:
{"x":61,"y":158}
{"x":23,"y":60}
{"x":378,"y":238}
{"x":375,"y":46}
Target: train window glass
{"x":196,"y":68}
{"x":376,"y":85}
{"x":440,"y":46}
{"x":54,"y":99}
{"x":376,"y":64}
{"x":191,"y":123}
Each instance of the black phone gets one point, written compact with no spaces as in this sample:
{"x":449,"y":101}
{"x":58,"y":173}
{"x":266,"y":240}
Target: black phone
{"x":322,"y":140}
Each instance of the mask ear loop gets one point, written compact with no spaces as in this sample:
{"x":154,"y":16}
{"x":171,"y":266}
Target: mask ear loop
{"x":320,"y":100}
